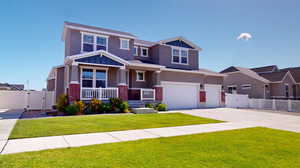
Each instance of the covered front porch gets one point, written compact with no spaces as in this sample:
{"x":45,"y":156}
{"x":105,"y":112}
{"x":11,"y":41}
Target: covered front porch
{"x":130,"y":81}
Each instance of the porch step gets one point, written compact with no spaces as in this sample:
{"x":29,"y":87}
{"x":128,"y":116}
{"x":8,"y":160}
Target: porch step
{"x":143,"y":110}
{"x":139,"y":104}
{"x":136,"y":104}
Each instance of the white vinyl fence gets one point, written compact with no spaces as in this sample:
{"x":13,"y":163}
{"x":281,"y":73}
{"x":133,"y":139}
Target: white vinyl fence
{"x":32,"y":100}
{"x":242,"y":101}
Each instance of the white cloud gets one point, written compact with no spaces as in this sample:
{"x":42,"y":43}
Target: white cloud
{"x":244,"y":36}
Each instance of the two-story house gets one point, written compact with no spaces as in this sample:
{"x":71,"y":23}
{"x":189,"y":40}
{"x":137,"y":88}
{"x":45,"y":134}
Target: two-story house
{"x":103,"y":63}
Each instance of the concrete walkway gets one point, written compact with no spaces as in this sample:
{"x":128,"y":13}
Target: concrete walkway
{"x":65,"y":141}
{"x":8,"y":119}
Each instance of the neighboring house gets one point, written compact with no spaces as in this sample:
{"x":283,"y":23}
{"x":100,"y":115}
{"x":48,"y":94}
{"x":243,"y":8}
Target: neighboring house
{"x":263,"y":82}
{"x":14,"y":87}
{"x":104,"y":63}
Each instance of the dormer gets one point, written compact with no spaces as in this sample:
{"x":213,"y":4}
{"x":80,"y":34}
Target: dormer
{"x":177,"y":52}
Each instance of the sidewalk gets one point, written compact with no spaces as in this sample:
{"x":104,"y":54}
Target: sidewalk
{"x":8,"y":119}
{"x":65,"y":141}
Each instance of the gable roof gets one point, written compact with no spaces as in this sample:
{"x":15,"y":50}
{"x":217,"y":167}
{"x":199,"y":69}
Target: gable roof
{"x":265,"y":69}
{"x":295,"y":72}
{"x":274,"y":76}
{"x":245,"y":71}
{"x":95,"y":29}
{"x":230,"y":69}
{"x":180,"y":38}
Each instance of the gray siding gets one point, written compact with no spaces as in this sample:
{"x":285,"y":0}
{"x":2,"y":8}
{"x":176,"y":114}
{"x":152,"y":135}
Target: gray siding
{"x":51,"y":85}
{"x":148,"y":59}
{"x":278,"y":89}
{"x":148,"y":83}
{"x":162,"y":54}
{"x":73,"y":45}
{"x":60,"y":89}
{"x":181,"y":77}
{"x":238,"y":79}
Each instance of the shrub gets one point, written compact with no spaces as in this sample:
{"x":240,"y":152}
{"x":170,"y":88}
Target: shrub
{"x":62,"y":103}
{"x":161,"y":107}
{"x":81,"y":107}
{"x":71,"y":110}
{"x":115,"y":104}
{"x":149,"y":105}
{"x":124,"y":107}
{"x":106,"y":107}
{"x":95,"y":106}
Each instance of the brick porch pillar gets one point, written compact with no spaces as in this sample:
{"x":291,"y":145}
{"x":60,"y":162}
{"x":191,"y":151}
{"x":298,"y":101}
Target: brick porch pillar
{"x":123,"y":92}
{"x":122,"y":84}
{"x":158,"y":93}
{"x":157,"y":86}
{"x":74,"y":92}
{"x":74,"y":85}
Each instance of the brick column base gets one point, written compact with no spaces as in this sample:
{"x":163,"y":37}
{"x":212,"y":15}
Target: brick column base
{"x":74,"y":92}
{"x":158,"y":93}
{"x":202,"y":96}
{"x":123,"y":92}
{"x":223,"y":98}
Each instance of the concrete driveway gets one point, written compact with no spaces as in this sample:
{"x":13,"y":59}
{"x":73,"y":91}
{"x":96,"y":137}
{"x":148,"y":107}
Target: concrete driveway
{"x":272,"y":119}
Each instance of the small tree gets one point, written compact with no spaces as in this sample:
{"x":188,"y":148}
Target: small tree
{"x":62,"y":103}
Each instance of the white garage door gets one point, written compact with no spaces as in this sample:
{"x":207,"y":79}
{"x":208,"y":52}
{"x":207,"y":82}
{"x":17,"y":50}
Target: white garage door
{"x":178,"y":95}
{"x":213,"y":95}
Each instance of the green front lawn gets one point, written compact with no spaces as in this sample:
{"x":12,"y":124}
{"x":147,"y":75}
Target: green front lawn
{"x":245,"y":148}
{"x":101,"y":123}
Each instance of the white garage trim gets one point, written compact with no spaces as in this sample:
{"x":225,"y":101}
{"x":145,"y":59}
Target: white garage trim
{"x":179,"y":83}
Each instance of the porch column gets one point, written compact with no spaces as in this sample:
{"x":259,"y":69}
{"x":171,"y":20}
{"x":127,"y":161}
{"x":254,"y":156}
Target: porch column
{"x":74,"y":85}
{"x":157,"y":86}
{"x":122,"y":85}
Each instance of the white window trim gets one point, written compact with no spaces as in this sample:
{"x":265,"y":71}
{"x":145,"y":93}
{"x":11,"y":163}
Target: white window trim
{"x":137,"y":79}
{"x":180,"y":57}
{"x":94,"y":39}
{"x":136,"y":48}
{"x":121,"y":47}
{"x":248,"y":87}
{"x":142,"y":51}
{"x":94,"y":75}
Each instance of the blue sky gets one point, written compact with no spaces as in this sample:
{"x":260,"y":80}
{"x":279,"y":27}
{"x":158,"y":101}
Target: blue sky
{"x":30,"y":31}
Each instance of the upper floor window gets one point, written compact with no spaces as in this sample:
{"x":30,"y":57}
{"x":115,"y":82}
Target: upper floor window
{"x":179,"y":56}
{"x":124,"y":44}
{"x":88,"y":43}
{"x":91,"y":42}
{"x":135,"y":50}
{"x":144,"y":52}
{"x":101,"y":43}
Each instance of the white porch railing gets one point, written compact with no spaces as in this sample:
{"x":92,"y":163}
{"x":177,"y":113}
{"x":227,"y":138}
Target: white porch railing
{"x":99,"y":93}
{"x":147,"y":94}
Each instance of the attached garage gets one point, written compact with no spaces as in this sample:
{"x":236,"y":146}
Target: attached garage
{"x":181,"y":95}
{"x":213,"y":95}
